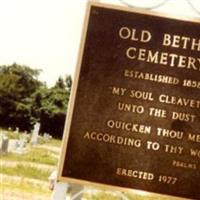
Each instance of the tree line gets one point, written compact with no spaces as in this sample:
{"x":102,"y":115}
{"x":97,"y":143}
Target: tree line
{"x":24,"y":100}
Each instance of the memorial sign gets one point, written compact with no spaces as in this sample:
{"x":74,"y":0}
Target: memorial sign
{"x":134,"y":118}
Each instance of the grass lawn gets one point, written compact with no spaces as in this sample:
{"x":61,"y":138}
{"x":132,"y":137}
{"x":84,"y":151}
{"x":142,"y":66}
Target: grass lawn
{"x":26,"y":171}
{"x":26,"y":186}
{"x":54,"y":142}
{"x":34,"y":154}
{"x":22,"y":188}
{"x":43,"y":153}
{"x":34,"y":178}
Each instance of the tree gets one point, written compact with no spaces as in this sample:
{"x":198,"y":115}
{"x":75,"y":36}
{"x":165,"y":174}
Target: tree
{"x":17,"y":83}
{"x":60,"y":83}
{"x":24,"y":100}
{"x":50,"y":107}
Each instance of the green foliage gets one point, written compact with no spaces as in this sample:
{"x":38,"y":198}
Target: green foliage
{"x":18,"y":81}
{"x":50,"y":107}
{"x":24,"y":100}
{"x":50,"y":101}
{"x":16,"y":84}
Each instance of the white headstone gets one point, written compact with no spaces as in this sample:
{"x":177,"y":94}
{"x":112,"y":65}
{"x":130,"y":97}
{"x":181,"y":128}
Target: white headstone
{"x":46,"y":136}
{"x":4,"y":145}
{"x":35,"y":133}
{"x":16,"y":130}
{"x":12,"y":145}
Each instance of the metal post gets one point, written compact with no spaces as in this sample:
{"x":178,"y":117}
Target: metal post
{"x":60,"y":191}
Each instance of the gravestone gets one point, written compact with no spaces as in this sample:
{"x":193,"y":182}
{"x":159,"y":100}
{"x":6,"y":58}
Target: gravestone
{"x":16,"y":145}
{"x":12,"y":145}
{"x":47,"y":137}
{"x":35,"y":134}
{"x":4,"y":145}
{"x":16,"y":130}
{"x":21,"y":145}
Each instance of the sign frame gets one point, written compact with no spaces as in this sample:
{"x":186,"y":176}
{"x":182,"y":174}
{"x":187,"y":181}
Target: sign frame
{"x":75,"y":86}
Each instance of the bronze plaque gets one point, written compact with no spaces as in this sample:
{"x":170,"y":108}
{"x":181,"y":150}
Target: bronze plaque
{"x":134,"y":120}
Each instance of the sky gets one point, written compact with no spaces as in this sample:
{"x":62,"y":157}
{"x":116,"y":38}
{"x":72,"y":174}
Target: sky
{"x":45,"y":34}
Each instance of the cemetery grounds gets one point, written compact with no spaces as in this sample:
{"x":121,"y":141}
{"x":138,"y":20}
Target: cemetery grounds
{"x":25,"y":169}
